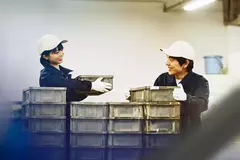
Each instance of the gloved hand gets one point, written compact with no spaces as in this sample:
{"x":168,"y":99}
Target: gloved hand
{"x":100,"y":86}
{"x":179,"y":93}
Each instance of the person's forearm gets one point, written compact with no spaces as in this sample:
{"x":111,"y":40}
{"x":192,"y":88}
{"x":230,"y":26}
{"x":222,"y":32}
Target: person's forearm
{"x":199,"y":102}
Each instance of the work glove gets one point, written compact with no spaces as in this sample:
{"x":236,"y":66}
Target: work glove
{"x":100,"y":86}
{"x":179,"y":94}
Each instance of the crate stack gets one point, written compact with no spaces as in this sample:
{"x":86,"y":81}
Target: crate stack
{"x":161,"y":114}
{"x":97,"y":130}
{"x":125,"y":128}
{"x":45,"y":120}
{"x":88,"y":130}
{"x":17,"y":115}
{"x":16,"y":135}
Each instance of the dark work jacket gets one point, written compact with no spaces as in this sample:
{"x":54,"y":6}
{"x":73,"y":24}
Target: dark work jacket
{"x":52,"y":77}
{"x":197,"y":89}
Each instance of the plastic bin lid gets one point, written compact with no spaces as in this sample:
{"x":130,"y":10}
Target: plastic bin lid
{"x":152,"y":88}
{"x":45,"y":88}
{"x":126,"y":103}
{"x":90,"y":103}
{"x":125,"y":133}
{"x":96,"y":76}
{"x":167,"y":103}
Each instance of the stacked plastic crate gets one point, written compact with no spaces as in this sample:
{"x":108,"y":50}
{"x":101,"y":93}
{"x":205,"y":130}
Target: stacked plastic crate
{"x":16,"y":136}
{"x":45,"y":117}
{"x":162,"y":116}
{"x":17,"y":115}
{"x":125,"y":131}
{"x":88,"y":130}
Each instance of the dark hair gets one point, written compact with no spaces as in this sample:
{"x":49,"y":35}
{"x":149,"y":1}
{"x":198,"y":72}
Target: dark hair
{"x":182,"y":60}
{"x":45,"y":62}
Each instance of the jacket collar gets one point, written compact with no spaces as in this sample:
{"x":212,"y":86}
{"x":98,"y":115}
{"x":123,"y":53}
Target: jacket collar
{"x":187,"y":78}
{"x":62,"y":69}
{"x":171,"y":80}
{"x":65,"y":70}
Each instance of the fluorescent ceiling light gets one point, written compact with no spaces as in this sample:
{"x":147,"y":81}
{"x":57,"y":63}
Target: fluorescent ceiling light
{"x":197,"y":4}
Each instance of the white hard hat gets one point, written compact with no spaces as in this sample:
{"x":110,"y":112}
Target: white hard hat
{"x":48,"y":42}
{"x":180,"y":49}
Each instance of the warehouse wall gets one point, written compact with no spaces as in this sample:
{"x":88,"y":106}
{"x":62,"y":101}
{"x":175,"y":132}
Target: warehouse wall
{"x":233,"y":50}
{"x":122,"y":39}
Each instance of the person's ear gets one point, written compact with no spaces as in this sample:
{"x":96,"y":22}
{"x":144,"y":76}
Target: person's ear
{"x":186,"y":64}
{"x":45,"y":57}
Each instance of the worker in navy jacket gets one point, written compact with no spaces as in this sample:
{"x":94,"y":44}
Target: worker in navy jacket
{"x":50,"y":49}
{"x":193,"y":91}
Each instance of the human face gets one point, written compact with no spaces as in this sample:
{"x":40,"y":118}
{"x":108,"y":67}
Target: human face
{"x":174,"y":68}
{"x":56,"y":56}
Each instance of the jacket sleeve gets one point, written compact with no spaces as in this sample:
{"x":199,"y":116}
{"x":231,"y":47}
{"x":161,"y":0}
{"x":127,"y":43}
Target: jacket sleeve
{"x":50,"y":80}
{"x":158,"y":81}
{"x":74,"y":95}
{"x":200,"y":97}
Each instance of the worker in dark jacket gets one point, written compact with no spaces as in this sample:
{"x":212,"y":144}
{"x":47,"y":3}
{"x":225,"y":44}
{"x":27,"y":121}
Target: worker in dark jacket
{"x":50,"y":49}
{"x":193,"y":91}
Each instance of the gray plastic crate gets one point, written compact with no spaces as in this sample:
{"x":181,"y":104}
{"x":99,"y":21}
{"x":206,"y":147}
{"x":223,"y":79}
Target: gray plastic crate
{"x":125,"y":153}
{"x":153,"y":140}
{"x":152,"y":94}
{"x":89,"y":110}
{"x":17,"y":113}
{"x":162,"y":110}
{"x":88,"y":153}
{"x":45,"y":110}
{"x":25,"y":124}
{"x":44,"y":94}
{"x":153,"y":150}
{"x":88,"y":125}
{"x":92,"y":78}
{"x":124,"y":140}
{"x":47,"y":125}
{"x":17,"y":110}
{"x":47,"y":139}
{"x":48,"y":153}
{"x":88,"y":140}
{"x":17,"y":123}
{"x":162,"y":126}
{"x":125,"y":125}
{"x":126,"y":110}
